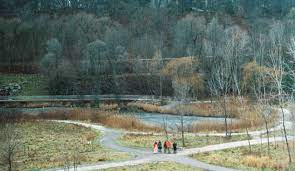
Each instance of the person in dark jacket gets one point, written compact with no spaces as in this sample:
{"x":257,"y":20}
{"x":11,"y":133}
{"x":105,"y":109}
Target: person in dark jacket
{"x":174,"y":147}
{"x":159,"y":147}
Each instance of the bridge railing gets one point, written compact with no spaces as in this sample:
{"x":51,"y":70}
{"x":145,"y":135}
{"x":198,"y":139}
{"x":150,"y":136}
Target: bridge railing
{"x":83,"y":97}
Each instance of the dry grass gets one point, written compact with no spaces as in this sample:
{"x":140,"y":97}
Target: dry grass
{"x":244,"y":116}
{"x":262,"y":162}
{"x":107,"y":107}
{"x":249,"y":118}
{"x":128,"y":123}
{"x":107,"y":118}
{"x":48,"y":144}
{"x":206,"y":109}
{"x":191,"y":140}
{"x":211,"y":126}
{"x":153,"y":108}
{"x":156,"y":166}
{"x":258,"y":158}
{"x":198,"y":109}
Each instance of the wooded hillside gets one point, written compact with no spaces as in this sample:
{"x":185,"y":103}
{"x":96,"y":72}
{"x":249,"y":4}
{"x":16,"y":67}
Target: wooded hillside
{"x":110,"y":46}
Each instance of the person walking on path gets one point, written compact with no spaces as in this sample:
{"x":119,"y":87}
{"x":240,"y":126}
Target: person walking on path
{"x":159,"y":147}
{"x":155,"y":147}
{"x":169,"y":145}
{"x":165,"y":147}
{"x":174,"y":147}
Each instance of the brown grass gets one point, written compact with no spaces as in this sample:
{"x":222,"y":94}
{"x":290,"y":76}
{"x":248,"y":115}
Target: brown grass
{"x":259,"y":158}
{"x":262,"y":162}
{"x":245,"y":115}
{"x":248,"y":117}
{"x":106,"y":118}
{"x":128,"y":123}
{"x":198,"y":109}
{"x":106,"y":107}
{"x":209,"y":126}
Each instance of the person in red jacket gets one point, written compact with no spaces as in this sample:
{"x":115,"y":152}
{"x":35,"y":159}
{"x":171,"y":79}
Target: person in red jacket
{"x":169,"y":146}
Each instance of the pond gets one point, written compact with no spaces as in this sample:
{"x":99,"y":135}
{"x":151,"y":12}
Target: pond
{"x":171,"y":120}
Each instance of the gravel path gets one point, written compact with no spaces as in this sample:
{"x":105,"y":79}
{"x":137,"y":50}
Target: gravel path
{"x":142,"y":156}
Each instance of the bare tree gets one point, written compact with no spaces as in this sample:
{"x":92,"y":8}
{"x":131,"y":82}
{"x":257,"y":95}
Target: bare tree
{"x":291,"y":72}
{"x":10,"y":140}
{"x":182,"y":90}
{"x":182,"y":85}
{"x":189,"y":33}
{"x":266,"y":114}
{"x":277,"y":63}
{"x":219,"y":85}
{"x":219,"y":52}
{"x":236,"y":46}
{"x":165,"y":127}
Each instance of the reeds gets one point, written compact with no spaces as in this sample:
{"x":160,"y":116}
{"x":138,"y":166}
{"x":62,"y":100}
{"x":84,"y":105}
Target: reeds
{"x":107,"y":118}
{"x":197,"y":109}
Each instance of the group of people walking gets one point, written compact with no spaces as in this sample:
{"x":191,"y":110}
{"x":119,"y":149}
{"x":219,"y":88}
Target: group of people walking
{"x":167,"y":147}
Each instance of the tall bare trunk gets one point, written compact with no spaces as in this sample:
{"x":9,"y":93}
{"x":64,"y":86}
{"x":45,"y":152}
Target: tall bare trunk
{"x":267,"y":133}
{"x":165,"y":127}
{"x":225,"y":116}
{"x":182,"y":130}
{"x":248,"y":138}
{"x":285,"y":134}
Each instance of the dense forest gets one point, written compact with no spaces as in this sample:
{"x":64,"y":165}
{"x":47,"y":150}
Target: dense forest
{"x":198,"y":48}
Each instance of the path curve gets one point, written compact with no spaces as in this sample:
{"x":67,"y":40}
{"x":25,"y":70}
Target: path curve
{"x":142,"y":156}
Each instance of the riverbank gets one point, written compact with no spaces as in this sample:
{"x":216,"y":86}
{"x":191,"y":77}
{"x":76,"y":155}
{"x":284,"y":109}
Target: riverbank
{"x":109,"y":116}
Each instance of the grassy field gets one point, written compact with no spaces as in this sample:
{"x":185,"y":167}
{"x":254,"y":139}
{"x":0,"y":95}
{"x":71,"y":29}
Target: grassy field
{"x":159,"y":166}
{"x":32,"y":84}
{"x":257,"y":159}
{"x":146,"y":141}
{"x":48,"y":144}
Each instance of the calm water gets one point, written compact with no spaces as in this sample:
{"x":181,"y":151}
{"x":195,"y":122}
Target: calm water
{"x":172,"y":120}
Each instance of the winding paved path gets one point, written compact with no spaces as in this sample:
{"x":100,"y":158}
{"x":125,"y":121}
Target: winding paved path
{"x":142,"y":156}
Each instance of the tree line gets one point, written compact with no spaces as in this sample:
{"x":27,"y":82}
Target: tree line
{"x":125,"y":50}
{"x":245,"y":8}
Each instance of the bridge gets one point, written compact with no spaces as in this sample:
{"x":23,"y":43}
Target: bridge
{"x":20,"y":101}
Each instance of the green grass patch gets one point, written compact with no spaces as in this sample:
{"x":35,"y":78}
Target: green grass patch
{"x":49,"y":145}
{"x":256,"y":159}
{"x":159,"y":166}
{"x":191,"y":140}
{"x":32,"y":84}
